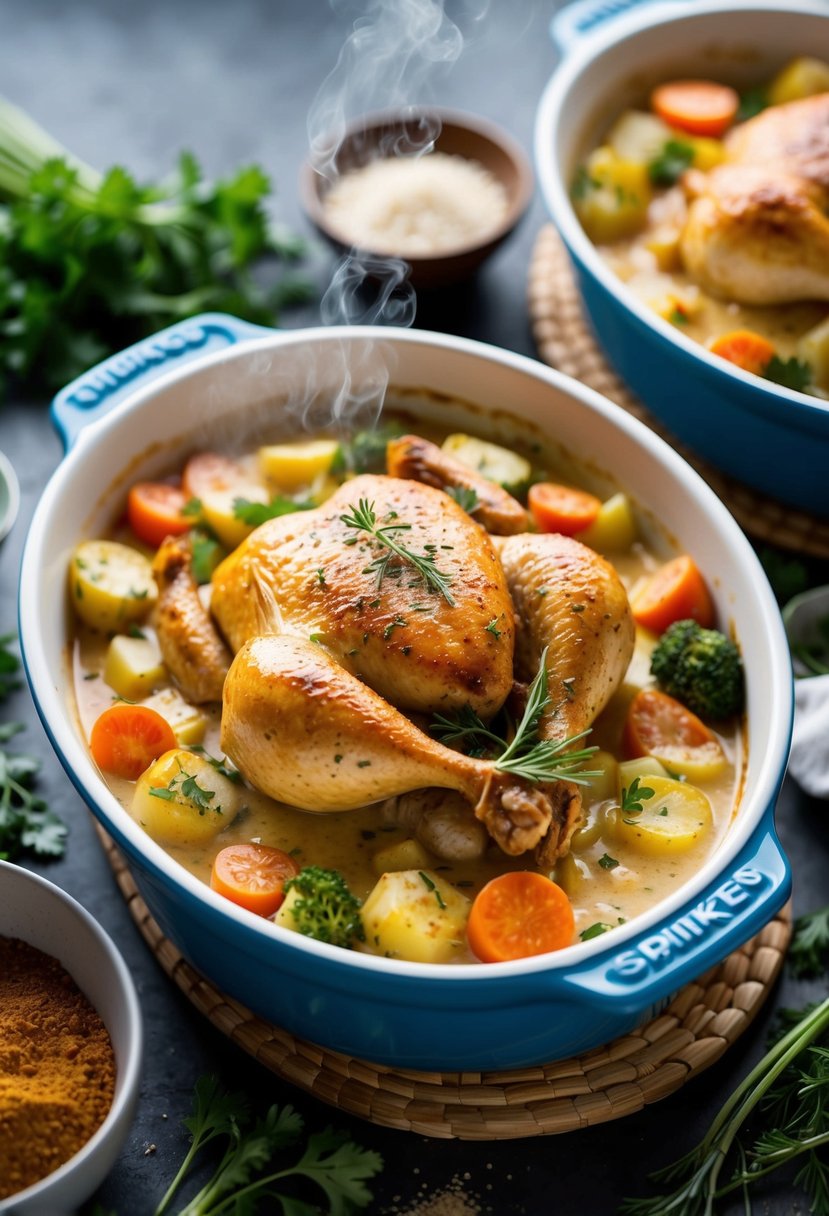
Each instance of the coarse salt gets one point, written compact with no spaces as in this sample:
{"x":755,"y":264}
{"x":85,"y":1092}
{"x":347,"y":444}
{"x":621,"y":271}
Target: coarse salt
{"x":416,"y":206}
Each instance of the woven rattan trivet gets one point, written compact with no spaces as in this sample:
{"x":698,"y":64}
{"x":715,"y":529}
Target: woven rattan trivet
{"x":607,"y":1083}
{"x":565,"y":341}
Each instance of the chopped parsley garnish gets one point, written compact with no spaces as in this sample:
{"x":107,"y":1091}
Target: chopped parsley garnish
{"x":596,"y":930}
{"x":790,"y":373}
{"x":492,"y":628}
{"x":256,"y":513}
{"x":633,"y":796}
{"x":607,"y":862}
{"x":675,"y":157}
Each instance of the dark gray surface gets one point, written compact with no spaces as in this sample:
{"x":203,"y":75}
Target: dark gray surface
{"x":234,"y":82}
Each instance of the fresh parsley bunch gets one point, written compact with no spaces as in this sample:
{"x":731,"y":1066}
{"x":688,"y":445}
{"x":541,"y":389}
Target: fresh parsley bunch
{"x":91,"y":262}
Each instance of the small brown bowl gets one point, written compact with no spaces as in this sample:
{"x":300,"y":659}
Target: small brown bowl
{"x":381,"y":134}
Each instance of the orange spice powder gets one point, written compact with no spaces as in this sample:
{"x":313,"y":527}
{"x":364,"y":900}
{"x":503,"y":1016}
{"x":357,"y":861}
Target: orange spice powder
{"x":57,"y":1067}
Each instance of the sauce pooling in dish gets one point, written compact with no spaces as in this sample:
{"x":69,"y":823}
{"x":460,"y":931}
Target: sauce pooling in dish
{"x":396,"y":694}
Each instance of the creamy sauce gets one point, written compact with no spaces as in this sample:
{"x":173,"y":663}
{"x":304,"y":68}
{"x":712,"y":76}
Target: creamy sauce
{"x":348,"y":841}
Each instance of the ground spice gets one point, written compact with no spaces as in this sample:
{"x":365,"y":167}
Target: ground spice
{"x":57,"y":1067}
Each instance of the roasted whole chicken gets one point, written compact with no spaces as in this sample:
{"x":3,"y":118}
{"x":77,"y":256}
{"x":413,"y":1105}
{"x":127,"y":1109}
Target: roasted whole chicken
{"x":758,"y":225}
{"x":352,"y":622}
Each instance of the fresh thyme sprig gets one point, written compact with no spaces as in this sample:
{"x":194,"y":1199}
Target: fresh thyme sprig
{"x":363,"y":518}
{"x":525,"y":755}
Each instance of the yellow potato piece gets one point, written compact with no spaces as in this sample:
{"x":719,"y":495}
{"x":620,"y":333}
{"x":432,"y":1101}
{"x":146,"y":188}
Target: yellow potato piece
{"x":415,"y":915}
{"x":189,"y":723}
{"x":639,"y":136}
{"x":674,"y":819}
{"x":663,"y":243}
{"x":218,"y":508}
{"x":288,"y":467}
{"x":803,"y":77}
{"x":111,"y":584}
{"x":614,"y":528}
{"x":708,"y":153}
{"x":133,"y":666}
{"x":498,"y":464}
{"x":182,"y":799}
{"x":406,"y":854}
{"x":611,"y":196}
{"x":644,"y":767}
{"x":701,"y":763}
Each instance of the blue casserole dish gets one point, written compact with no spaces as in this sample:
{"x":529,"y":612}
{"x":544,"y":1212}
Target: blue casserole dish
{"x":772,"y":438}
{"x":213,"y":379}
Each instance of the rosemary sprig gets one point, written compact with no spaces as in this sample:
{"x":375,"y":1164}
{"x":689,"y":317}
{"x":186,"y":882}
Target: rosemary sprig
{"x":525,"y":755}
{"x":363,"y":518}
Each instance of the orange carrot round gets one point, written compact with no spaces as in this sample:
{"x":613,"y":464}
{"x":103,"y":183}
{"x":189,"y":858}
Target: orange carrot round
{"x":744,"y":348}
{"x":125,"y":739}
{"x":154,"y":511}
{"x":562,"y":509}
{"x":657,"y":724}
{"x":675,"y":592}
{"x":253,"y":876}
{"x":700,"y":107}
{"x":519,"y":914}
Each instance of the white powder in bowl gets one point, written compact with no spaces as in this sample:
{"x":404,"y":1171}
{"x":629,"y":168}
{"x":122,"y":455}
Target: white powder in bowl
{"x":416,"y":206}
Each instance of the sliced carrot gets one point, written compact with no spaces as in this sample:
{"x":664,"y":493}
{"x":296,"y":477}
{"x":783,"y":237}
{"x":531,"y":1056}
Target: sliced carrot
{"x":154,"y":511}
{"x":658,"y":725}
{"x":676,"y":592}
{"x":125,"y":739}
{"x":518,"y":914}
{"x":745,"y":349}
{"x":253,"y":876}
{"x":562,"y":509}
{"x":700,"y":107}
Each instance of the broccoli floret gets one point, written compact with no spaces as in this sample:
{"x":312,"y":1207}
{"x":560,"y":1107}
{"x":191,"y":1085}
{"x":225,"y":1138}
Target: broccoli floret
{"x":700,"y":667}
{"x":324,"y":908}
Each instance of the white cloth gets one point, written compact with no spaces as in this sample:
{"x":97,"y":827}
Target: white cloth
{"x":809,"y":759}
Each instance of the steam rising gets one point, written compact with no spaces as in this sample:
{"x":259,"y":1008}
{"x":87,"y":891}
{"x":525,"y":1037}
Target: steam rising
{"x":389,"y":61}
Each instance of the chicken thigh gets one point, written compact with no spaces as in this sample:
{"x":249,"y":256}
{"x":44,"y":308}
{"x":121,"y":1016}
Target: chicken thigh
{"x":306,"y":732}
{"x":758,"y":225}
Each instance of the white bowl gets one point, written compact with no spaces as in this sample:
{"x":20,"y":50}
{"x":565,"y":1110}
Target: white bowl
{"x":38,"y":912}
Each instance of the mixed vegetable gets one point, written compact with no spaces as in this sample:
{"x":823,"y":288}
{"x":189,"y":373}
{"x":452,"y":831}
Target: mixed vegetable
{"x":658,"y":781}
{"x":629,"y":195}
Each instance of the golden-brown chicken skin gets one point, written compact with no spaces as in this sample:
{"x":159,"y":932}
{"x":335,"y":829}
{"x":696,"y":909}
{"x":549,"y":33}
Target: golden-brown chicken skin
{"x":312,"y":575}
{"x":757,"y":230}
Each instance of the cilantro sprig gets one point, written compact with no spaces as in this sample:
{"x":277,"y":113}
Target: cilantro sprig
{"x":92,"y":262}
{"x":247,"y":1175}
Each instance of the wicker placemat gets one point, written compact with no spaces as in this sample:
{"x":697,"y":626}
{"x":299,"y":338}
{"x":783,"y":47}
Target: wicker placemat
{"x":565,"y":341}
{"x":604,"y":1084}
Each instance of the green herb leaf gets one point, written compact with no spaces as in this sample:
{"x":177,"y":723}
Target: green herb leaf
{"x":27,"y":826}
{"x":465,"y":497}
{"x":634,"y":795}
{"x":596,"y":930}
{"x":607,"y":862}
{"x":92,"y":262}
{"x":790,"y":373}
{"x":809,"y":949}
{"x":675,"y":157}
{"x":752,"y":102}
{"x":9,"y":666}
{"x":256,"y":513}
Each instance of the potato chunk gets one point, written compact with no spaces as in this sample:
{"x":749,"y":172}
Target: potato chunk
{"x":289,"y":467}
{"x":182,"y":799}
{"x":614,"y":528}
{"x":492,"y":461}
{"x":611,"y":196}
{"x":415,"y":915}
{"x":133,"y":666}
{"x":110,"y":584}
{"x":189,"y":723}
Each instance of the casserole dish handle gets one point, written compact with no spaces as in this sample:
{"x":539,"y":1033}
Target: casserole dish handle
{"x":100,"y":389}
{"x":654,"y":965}
{"x":575,"y":20}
